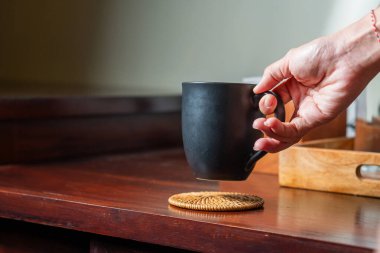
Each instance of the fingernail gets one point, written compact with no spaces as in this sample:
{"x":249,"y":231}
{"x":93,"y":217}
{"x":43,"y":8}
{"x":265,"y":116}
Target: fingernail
{"x":255,"y":147}
{"x":268,"y":101}
{"x":266,"y":123}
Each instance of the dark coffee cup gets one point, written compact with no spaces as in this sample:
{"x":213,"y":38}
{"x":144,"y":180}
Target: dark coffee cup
{"x":217,"y":128}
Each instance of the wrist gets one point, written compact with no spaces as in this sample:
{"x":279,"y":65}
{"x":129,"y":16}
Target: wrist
{"x":359,"y":45}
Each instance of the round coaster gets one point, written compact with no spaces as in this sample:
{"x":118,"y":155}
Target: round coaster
{"x":216,"y":201}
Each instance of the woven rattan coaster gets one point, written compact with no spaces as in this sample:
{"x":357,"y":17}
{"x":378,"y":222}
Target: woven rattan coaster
{"x":216,"y":201}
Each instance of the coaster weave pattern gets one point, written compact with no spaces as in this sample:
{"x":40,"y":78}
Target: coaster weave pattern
{"x":216,"y":201}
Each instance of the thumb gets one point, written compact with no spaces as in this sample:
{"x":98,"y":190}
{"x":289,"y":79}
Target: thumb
{"x":268,"y":104}
{"x":274,"y":74}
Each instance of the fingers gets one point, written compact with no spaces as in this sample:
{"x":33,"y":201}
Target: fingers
{"x":281,"y":134}
{"x":284,"y":91}
{"x":268,"y":104}
{"x":277,"y":77}
{"x":270,"y":145}
{"x":287,"y":131}
{"x":273,"y":74}
{"x":261,"y":124}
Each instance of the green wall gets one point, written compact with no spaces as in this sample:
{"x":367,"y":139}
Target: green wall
{"x":145,"y":46}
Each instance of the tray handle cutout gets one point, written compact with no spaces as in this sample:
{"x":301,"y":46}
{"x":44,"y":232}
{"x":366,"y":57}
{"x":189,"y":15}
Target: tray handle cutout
{"x":368,"y":171}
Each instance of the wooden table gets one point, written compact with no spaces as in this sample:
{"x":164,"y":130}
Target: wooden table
{"x":88,"y":203}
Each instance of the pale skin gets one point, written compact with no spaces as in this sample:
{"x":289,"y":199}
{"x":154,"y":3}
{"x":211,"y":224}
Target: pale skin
{"x":322,"y":78}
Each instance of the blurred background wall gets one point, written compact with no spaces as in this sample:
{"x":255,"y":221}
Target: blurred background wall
{"x":148,"y":47}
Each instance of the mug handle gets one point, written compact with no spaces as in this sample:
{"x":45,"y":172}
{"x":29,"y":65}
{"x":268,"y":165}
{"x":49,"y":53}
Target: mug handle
{"x":279,"y":113}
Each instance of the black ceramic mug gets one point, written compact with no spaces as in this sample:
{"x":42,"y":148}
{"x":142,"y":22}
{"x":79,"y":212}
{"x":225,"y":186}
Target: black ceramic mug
{"x":217,"y":128}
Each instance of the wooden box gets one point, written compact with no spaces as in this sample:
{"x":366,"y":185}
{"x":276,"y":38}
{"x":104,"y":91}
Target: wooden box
{"x":331,"y":165}
{"x":367,"y":135}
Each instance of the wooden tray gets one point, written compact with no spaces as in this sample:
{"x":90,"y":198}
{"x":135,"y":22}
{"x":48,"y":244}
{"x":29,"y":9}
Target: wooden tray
{"x":331,"y":165}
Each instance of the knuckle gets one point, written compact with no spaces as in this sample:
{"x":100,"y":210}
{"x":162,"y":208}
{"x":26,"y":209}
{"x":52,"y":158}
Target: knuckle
{"x":268,"y":71}
{"x":290,"y":52}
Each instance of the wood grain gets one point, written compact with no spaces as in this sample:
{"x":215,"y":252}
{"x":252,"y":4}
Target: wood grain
{"x":44,"y":129}
{"x":376,"y":120}
{"x":72,"y":106}
{"x":331,"y":143}
{"x":125,"y":196}
{"x":37,"y":129}
{"x":367,"y":136}
{"x":334,"y":128}
{"x":313,"y":166}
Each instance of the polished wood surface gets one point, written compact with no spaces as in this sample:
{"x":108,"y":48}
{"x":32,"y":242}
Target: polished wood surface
{"x":126,"y":196}
{"x":367,"y":136}
{"x":329,"y":165}
{"x":71,"y":106}
{"x":40,"y":140}
{"x":39,"y":129}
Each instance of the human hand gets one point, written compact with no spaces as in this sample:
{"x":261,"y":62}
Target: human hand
{"x":322,"y":78}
